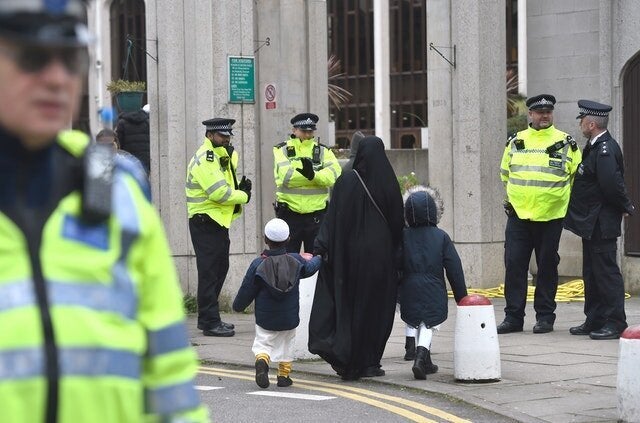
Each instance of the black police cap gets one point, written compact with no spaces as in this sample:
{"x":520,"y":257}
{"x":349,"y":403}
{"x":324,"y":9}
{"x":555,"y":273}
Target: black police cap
{"x":541,"y":102}
{"x":306,"y":121}
{"x":221,"y":125}
{"x":592,"y":108}
{"x":55,"y":23}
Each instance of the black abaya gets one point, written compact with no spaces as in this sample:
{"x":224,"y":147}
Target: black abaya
{"x":355,"y":298}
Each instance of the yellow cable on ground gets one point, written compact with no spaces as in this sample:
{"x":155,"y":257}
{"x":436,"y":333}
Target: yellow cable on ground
{"x":569,"y":291}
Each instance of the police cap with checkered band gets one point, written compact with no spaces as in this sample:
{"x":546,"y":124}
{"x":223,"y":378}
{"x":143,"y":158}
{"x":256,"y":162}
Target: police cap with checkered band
{"x":305,"y":121}
{"x":223,"y":126}
{"x":541,"y":102}
{"x":592,"y":108}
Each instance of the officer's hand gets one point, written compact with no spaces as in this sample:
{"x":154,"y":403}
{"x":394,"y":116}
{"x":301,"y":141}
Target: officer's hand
{"x":245,"y":184}
{"x":248,"y":192}
{"x":307,"y":168}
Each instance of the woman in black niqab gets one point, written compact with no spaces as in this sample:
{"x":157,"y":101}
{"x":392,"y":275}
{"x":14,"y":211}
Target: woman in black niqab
{"x":355,"y":298}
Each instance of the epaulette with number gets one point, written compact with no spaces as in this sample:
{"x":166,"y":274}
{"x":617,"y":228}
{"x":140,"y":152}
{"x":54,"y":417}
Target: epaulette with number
{"x":282,"y":144}
{"x":572,"y":143}
{"x":512,"y":136}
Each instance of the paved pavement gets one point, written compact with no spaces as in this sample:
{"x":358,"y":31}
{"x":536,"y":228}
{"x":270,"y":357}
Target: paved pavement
{"x":553,"y":377}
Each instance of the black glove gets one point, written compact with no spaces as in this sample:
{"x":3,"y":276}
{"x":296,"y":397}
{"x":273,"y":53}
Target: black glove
{"x":245,"y":186}
{"x":307,"y":168}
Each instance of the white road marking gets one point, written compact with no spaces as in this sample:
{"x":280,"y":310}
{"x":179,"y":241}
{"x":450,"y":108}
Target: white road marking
{"x":207,"y":388}
{"x":291,"y":395}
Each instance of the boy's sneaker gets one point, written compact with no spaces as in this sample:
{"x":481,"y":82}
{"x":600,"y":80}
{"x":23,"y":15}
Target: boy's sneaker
{"x":284,"y":381}
{"x":262,"y":373}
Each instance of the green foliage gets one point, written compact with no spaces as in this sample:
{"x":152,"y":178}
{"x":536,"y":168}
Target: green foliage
{"x":516,"y":123}
{"x":338,"y":96}
{"x":190,"y":304}
{"x":120,"y":85}
{"x":407,"y":181}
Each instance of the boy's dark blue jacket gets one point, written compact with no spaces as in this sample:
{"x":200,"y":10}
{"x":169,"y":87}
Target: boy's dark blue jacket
{"x":273,"y":280}
{"x":428,"y":253}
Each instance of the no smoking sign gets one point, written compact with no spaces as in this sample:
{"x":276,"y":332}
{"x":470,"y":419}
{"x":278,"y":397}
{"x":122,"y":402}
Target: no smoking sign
{"x":270,"y":96}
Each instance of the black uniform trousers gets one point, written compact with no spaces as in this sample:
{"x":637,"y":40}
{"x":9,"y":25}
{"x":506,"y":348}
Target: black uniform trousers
{"x":303,"y":227}
{"x":603,"y":284}
{"x":522,"y":237}
{"x":211,"y":245}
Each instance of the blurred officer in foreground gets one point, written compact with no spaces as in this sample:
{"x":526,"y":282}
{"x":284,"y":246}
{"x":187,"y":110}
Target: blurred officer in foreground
{"x":91,"y":318}
{"x":599,"y":199}
{"x":304,"y":171}
{"x":214,"y":200}
{"x":537,"y":170}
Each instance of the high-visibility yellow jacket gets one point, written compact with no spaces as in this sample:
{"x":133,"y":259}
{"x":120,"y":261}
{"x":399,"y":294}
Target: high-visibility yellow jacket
{"x":538,"y":182}
{"x":211,"y":186}
{"x":294,"y":189}
{"x":92,"y":326}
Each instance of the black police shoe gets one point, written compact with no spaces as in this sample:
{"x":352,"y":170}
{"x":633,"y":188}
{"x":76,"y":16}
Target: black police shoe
{"x":219,"y":330}
{"x":508,"y":327}
{"x":228,"y":325}
{"x":583,"y":329}
{"x":543,"y":327}
{"x":225,"y":324}
{"x":607,"y":332}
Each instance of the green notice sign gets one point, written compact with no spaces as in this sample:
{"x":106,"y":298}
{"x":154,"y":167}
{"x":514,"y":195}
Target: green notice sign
{"x":242,"y":79}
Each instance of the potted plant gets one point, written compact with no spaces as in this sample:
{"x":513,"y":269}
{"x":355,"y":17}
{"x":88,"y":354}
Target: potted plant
{"x":128,"y":94}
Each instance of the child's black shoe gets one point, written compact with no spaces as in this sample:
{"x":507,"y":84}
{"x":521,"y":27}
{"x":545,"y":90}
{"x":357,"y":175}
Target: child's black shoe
{"x":262,"y":373}
{"x":284,"y":381}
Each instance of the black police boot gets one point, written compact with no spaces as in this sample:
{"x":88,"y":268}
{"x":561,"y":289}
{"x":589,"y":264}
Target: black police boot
{"x":410,"y":348}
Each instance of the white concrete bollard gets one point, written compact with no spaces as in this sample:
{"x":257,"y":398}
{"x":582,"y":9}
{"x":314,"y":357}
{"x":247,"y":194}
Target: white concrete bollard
{"x":307,"y":291}
{"x":628,"y":386}
{"x":476,"y":352}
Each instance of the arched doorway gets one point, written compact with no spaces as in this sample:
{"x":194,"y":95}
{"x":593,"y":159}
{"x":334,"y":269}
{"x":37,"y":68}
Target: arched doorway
{"x":128,"y":40}
{"x":631,"y":142}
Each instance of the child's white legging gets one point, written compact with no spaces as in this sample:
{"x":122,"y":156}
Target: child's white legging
{"x":423,"y":334}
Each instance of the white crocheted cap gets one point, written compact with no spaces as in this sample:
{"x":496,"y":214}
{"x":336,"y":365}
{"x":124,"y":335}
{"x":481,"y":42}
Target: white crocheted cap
{"x":276,"y":230}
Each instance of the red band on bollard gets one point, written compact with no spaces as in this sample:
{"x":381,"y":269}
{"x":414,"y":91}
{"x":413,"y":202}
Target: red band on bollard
{"x":632,"y":332}
{"x":474,"y":300}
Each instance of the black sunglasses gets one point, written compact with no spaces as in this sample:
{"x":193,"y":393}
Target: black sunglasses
{"x":33,"y":59}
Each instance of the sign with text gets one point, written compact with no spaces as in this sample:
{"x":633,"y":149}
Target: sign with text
{"x":242,"y":79}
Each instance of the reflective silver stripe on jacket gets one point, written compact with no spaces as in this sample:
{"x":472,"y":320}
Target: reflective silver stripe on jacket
{"x":16,"y":294}
{"x":287,"y":177}
{"x":26,"y":363}
{"x":302,"y":191}
{"x":541,"y":169}
{"x":329,"y":165}
{"x":171,"y":399}
{"x":546,"y":184}
{"x":196,"y":199}
{"x":168,"y":339}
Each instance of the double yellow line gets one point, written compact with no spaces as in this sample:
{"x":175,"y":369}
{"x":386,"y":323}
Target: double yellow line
{"x":364,"y":396}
